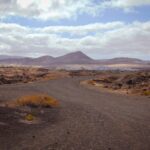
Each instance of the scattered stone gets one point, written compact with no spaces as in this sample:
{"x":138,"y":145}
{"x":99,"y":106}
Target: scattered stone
{"x":132,"y":82}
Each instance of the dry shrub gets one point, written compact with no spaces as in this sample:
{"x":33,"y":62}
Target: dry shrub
{"x":146,"y":93}
{"x":29,"y":117}
{"x":37,"y":101}
{"x":91,"y":82}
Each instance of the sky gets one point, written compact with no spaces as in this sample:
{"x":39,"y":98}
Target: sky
{"x":102,"y":29}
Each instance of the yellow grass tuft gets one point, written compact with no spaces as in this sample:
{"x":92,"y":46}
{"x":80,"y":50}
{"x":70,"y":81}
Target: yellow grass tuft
{"x":37,"y":101}
{"x":29,"y":117}
{"x":146,"y":93}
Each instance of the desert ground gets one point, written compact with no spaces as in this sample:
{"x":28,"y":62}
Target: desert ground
{"x":87,"y":117}
{"x":123,"y":82}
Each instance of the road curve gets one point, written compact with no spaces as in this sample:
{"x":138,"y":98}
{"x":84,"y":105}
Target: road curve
{"x":87,"y":120}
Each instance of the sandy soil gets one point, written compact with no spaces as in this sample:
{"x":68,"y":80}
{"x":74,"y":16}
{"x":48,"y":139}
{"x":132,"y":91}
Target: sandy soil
{"x":87,"y":119}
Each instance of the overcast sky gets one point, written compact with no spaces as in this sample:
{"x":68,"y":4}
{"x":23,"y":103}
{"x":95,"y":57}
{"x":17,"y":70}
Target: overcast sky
{"x":99,"y":28}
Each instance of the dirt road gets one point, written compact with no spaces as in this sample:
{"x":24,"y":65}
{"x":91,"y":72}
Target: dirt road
{"x":87,"y":119}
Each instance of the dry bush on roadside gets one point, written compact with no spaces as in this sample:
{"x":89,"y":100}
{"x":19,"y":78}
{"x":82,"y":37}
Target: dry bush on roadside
{"x":29,"y":117}
{"x":146,"y":93}
{"x":36,"y":101}
{"x":91,"y":82}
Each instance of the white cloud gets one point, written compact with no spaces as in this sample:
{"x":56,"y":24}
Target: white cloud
{"x":130,"y":3}
{"x":46,"y":9}
{"x":127,"y":5}
{"x":100,"y":40}
{"x":81,"y":30}
{"x":62,"y":9}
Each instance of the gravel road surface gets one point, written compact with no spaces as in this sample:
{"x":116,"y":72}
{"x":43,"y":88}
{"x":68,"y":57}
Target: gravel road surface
{"x":87,"y":119}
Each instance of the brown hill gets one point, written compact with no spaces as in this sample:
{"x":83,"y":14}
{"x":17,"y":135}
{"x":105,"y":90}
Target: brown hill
{"x":75,"y":58}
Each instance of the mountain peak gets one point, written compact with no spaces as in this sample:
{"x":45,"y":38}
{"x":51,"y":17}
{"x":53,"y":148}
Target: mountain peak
{"x":77,"y":57}
{"x":78,"y":54}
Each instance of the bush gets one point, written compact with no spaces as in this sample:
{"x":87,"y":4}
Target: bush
{"x":37,"y":101}
{"x":146,"y":93}
{"x":29,"y":117}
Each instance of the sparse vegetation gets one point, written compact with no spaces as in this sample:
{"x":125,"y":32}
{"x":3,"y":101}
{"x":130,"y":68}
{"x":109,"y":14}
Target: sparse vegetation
{"x":146,"y":93}
{"x":37,"y":101}
{"x":29,"y":117}
{"x":128,"y":82}
{"x":15,"y":74}
{"x":91,"y":82}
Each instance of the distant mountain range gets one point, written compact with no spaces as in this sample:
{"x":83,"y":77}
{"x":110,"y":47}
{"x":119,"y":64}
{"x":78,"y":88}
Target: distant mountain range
{"x":2,"y":57}
{"x":124,"y":60}
{"x":72,"y":59}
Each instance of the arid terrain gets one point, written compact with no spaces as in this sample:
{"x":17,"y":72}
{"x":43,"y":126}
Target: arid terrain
{"x":53,"y":110}
{"x":127,"y":82}
{"x":76,"y":61}
{"x":74,"y":74}
{"x":16,"y":74}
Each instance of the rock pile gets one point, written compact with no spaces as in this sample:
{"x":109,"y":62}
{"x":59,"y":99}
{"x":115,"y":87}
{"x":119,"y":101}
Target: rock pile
{"x":9,"y":75}
{"x":134,"y":82}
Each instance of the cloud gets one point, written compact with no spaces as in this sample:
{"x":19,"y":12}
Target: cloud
{"x":47,"y":9}
{"x":81,"y":30}
{"x":62,"y":9}
{"x":100,"y":40}
{"x":127,"y":5}
{"x":130,"y":3}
